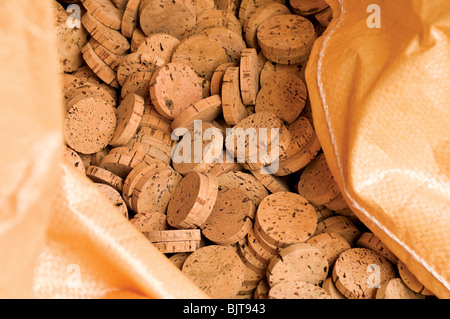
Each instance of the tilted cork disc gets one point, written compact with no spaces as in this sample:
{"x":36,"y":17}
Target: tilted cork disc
{"x":258,"y":250}
{"x":331,"y":244}
{"x":170,"y":247}
{"x":249,"y":76}
{"x":259,"y":16}
{"x":231,"y":42}
{"x":217,"y":77}
{"x":331,"y":289}
{"x":129,"y":114}
{"x":370,"y":241}
{"x":217,"y":19}
{"x":249,"y":259}
{"x":301,"y":132}
{"x":233,"y":108}
{"x":137,"y":62}
{"x":137,"y":39}
{"x":137,"y":83}
{"x":285,"y":97}
{"x":105,"y":12}
{"x":100,"y":175}
{"x":246,"y":182}
{"x":174,"y":17}
{"x":121,"y":4}
{"x":72,"y":157}
{"x":324,"y":17}
{"x":173,"y":88}
{"x":149,"y":221}
{"x":273,"y":183}
{"x":111,"y":59}
{"x":248,"y":7}
{"x":262,"y":290}
{"x":101,"y":69}
{"x":111,"y":39}
{"x":285,"y":218}
{"x":302,"y":262}
{"x":173,"y":235}
{"x":358,"y":271}
{"x":160,"y":44}
{"x":75,"y":86}
{"x":154,"y":189}
{"x":308,"y":7}
{"x":179,"y":258}
{"x":340,"y":225}
{"x":204,"y":110}
{"x":396,"y":289}
{"x":286,"y":39}
{"x":297,"y":290}
{"x":114,"y":197}
{"x":122,"y":160}
{"x":201,"y":53}
{"x":90,"y":125}
{"x":187,"y":205}
{"x":217,"y":270}
{"x":130,"y":18}
{"x":231,"y":217}
{"x":411,"y":281}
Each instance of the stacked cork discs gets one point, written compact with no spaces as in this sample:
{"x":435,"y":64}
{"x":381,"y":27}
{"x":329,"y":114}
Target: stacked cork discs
{"x":193,"y":120}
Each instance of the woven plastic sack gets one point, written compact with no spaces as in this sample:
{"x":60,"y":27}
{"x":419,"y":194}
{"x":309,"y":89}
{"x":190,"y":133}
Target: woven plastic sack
{"x":380,"y":101}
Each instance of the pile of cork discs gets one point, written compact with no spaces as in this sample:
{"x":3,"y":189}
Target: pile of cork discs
{"x":138,"y":73}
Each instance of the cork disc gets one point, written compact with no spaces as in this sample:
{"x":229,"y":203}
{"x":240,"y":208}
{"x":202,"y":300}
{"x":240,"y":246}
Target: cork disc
{"x":301,"y":132}
{"x":130,"y":18}
{"x":170,"y":247}
{"x":285,"y":97}
{"x":302,"y":262}
{"x":271,"y":69}
{"x":286,"y":39}
{"x":410,"y":280}
{"x":217,"y":77}
{"x":154,"y":189}
{"x":201,"y":53}
{"x":248,"y":7}
{"x":249,"y":76}
{"x":273,"y":183}
{"x":297,"y":290}
{"x":340,"y":205}
{"x":149,"y":221}
{"x":156,"y":236}
{"x":250,"y":260}
{"x":75,"y":86}
{"x":246,"y":182}
{"x":217,"y":19}
{"x":122,"y":160}
{"x":155,"y":137}
{"x":159,"y":44}
{"x":103,"y":71}
{"x":217,"y":270}
{"x":231,"y":42}
{"x":72,"y":157}
{"x":285,"y":218}
{"x":173,"y":88}
{"x":233,"y":107}
{"x":331,"y":244}
{"x":262,"y":290}
{"x":100,"y":175}
{"x":129,"y":114}
{"x":111,"y":59}
{"x":174,"y":17}
{"x":331,"y":289}
{"x":204,"y":110}
{"x":273,"y":249}
{"x":304,"y":8}
{"x":370,"y":241}
{"x":179,"y":258}
{"x":340,"y":225}
{"x":105,"y":12}
{"x":137,"y":39}
{"x":324,"y":17}
{"x":114,"y":197}
{"x":151,"y":151}
{"x":260,"y":15}
{"x":257,"y":249}
{"x":137,"y":83}
{"x":352,"y":273}
{"x":137,"y":62}
{"x":187,"y":205}
{"x":231,"y":217}
{"x":89,"y":125}
{"x":396,"y":289}
{"x":111,"y":39}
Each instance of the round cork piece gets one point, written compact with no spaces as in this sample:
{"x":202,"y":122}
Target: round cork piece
{"x":137,"y":83}
{"x":358,"y":271}
{"x":262,"y":290}
{"x":156,"y":236}
{"x":72,"y":157}
{"x":370,"y":241}
{"x":201,"y":53}
{"x":77,"y":86}
{"x":151,"y":151}
{"x":111,"y":39}
{"x":273,"y":183}
{"x":411,"y":281}
{"x":331,"y":289}
{"x":259,"y":251}
{"x":217,"y":270}
{"x":285,"y":97}
{"x":130,"y":18}
{"x":155,"y":137}
{"x":188,"y":205}
{"x":100,"y":175}
{"x":302,"y":262}
{"x":297,"y":290}
{"x":129,"y":114}
{"x":89,"y":125}
{"x":249,"y":76}
{"x":271,"y":69}
{"x":273,"y":249}
{"x":149,"y":221}
{"x":231,"y":42}
{"x":204,"y":110}
{"x":247,"y":182}
{"x":217,"y":77}
{"x":96,"y":158}
{"x":233,"y":107}
{"x":308,"y":7}
{"x":340,"y":225}
{"x":121,"y":4}
{"x":159,"y":44}
{"x":122,"y":160}
{"x":137,"y":39}
{"x":170,"y":247}
{"x":105,"y":12}
{"x":231,"y":217}
{"x":250,"y":260}
{"x":324,"y":17}
{"x":174,"y":17}
{"x":396,"y":289}
{"x":286,"y":39}
{"x":285,"y":218}
{"x":137,"y":62}
{"x":331,"y":244}
{"x":317,"y":183}
{"x":248,"y":7}
{"x":101,"y":69}
{"x":259,"y":16}
{"x":154,"y":190}
{"x":114,"y":197}
{"x":111,"y":59}
{"x":173,"y":88}
{"x":301,"y":132}
{"x":151,"y":118}
{"x":217,"y":19}
{"x":179,"y":258}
